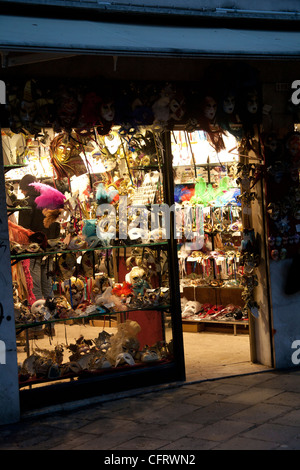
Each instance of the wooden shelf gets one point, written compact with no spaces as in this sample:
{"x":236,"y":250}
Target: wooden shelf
{"x":196,"y":326}
{"x":100,"y":313}
{"x":28,"y":255}
{"x":13,"y":167}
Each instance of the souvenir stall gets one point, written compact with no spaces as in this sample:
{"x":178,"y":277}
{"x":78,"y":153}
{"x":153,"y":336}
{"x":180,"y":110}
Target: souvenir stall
{"x":106,"y":167}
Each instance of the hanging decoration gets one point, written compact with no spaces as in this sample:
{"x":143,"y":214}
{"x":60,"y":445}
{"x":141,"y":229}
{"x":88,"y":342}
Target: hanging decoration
{"x":65,"y":157}
{"x":226,"y":99}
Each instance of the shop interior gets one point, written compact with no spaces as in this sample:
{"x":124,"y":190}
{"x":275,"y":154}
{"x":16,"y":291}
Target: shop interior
{"x":92,"y":284}
{"x":110,"y":304}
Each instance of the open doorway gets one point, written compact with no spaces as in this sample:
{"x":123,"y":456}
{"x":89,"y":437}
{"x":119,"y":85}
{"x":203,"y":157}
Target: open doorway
{"x":217,"y":255}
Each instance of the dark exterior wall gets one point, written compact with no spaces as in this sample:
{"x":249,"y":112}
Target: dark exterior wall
{"x":254,"y":5}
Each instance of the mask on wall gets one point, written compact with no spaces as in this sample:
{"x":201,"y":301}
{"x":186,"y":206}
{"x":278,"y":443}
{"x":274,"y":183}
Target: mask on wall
{"x":293,"y":147}
{"x":252,"y":101}
{"x":210,"y":108}
{"x":67,"y":108}
{"x":229,"y":103}
{"x":177,"y":107}
{"x":107,"y":111}
{"x":27,"y":112}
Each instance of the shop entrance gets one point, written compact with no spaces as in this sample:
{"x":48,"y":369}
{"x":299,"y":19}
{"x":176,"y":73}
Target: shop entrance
{"x":214,"y":264}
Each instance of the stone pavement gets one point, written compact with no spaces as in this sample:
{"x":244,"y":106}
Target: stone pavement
{"x":251,"y":412}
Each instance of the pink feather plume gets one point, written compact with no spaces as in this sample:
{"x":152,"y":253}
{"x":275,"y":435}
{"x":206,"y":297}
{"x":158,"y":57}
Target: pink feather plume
{"x":50,"y":197}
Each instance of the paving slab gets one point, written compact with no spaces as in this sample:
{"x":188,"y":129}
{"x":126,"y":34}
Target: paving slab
{"x":253,"y":412}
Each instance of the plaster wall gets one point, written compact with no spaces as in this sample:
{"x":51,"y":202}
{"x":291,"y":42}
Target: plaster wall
{"x":277,"y":5}
{"x":254,"y":5}
{"x":286,"y":316}
{"x":9,"y":387}
{"x":285,"y":324}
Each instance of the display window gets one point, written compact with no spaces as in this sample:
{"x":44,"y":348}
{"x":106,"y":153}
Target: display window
{"x":130,"y":221}
{"x":90,"y":257}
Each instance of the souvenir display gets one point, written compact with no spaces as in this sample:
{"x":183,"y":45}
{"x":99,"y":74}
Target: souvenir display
{"x":99,"y":227}
{"x":218,"y":257}
{"x":93,"y":281}
{"x":282,"y":166}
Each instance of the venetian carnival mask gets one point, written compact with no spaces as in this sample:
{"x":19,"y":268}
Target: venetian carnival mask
{"x":107,"y":111}
{"x":252,"y":102}
{"x":229,"y":104}
{"x":293,"y":145}
{"x":112,"y":143}
{"x":67,"y":109}
{"x":137,"y":275}
{"x":210,"y":108}
{"x":28,"y":111}
{"x":177,"y":108}
{"x":40,"y":309}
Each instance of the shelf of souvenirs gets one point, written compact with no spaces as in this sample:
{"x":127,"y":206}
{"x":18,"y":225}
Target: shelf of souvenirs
{"x":27,"y":254}
{"x":199,"y":325}
{"x":205,"y":164}
{"x":96,"y":312}
{"x":211,"y":269}
{"x":195,"y":313}
{"x":17,"y":208}
{"x":11,"y":210}
{"x":227,"y":321}
{"x":72,"y":370}
{"x":202,"y":282}
{"x":145,"y":167}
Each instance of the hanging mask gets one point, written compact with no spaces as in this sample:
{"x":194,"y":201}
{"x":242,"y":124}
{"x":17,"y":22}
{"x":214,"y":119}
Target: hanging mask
{"x":271,"y":240}
{"x":107,"y":111}
{"x":271,"y":143}
{"x":67,"y":109}
{"x":283,"y":225}
{"x":210,"y":108}
{"x":293,"y":146}
{"x":177,"y":108}
{"x":65,"y":157}
{"x":28,"y":107}
{"x":229,"y":103}
{"x":273,"y":211}
{"x":27,"y":112}
{"x":252,"y":102}
{"x":297,"y":213}
{"x":112,"y":142}
{"x":283,"y":253}
{"x":294,"y":172}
